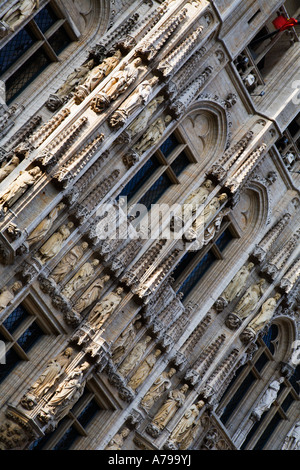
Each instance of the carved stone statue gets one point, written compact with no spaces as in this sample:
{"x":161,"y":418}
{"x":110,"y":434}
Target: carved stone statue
{"x":96,"y":75}
{"x":292,"y":440}
{"x":118,"y":440}
{"x":195,"y":200}
{"x":91,"y":295}
{"x":144,"y":370}
{"x":140,"y":123}
{"x":19,"y":12}
{"x":266,"y":313}
{"x":53,"y":371}
{"x":44,"y":226}
{"x":237,"y":284}
{"x":175,"y":399}
{"x":152,"y":135}
{"x":267,"y":399}
{"x":135,"y":101}
{"x":105,"y":308}
{"x":8,"y":293}
{"x":134,"y":357}
{"x":68,"y":262}
{"x":209,"y":211}
{"x":118,"y":83}
{"x":125,"y":339}
{"x":159,"y":386}
{"x":75,"y":78}
{"x":67,"y":393}
{"x":185,"y":425}
{"x":80,"y":279}
{"x":18,"y":187}
{"x":8,"y":167}
{"x":249,"y":300}
{"x":52,"y":246}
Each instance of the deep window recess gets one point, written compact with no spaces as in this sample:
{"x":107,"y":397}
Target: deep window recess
{"x":72,"y":427}
{"x":245,"y":382}
{"x":33,"y":48}
{"x":194,"y":265}
{"x":20,"y":331}
{"x":159,"y":173}
{"x":247,"y":375}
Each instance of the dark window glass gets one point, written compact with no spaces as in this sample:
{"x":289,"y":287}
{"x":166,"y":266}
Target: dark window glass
{"x":26,"y":74}
{"x":224,"y":240}
{"x":180,"y":163}
{"x":15,"y":318}
{"x":295,"y":379}
{"x":67,"y":440}
{"x":59,"y":41}
{"x":88,"y":413}
{"x":45,"y":18}
{"x":270,"y":429}
{"x":253,"y":431}
{"x":15,"y":48}
{"x":156,"y":191}
{"x":140,"y":178}
{"x":30,"y":336}
{"x":237,"y":397}
{"x":201,"y":268}
{"x":270,"y":336}
{"x":184,"y":262}
{"x":261,"y":362}
{"x":287,"y":402}
{"x":169,"y":145}
{"x":11,"y":360}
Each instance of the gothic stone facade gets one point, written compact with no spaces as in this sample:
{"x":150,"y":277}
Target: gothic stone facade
{"x":181,"y":334}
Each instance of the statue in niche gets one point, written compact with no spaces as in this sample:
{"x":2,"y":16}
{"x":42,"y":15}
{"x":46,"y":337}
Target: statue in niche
{"x":196,"y":199}
{"x":68,"y":262}
{"x":152,"y":135}
{"x":249,"y":300}
{"x":135,"y":101}
{"x":267,"y":399}
{"x":134,"y":357}
{"x":91,"y":295}
{"x":176,"y":399}
{"x":117,"y":441}
{"x":140,"y":123}
{"x":237,"y":284}
{"x":118,"y":83}
{"x":80,"y":279}
{"x":53,"y":246}
{"x":7,"y":168}
{"x":18,"y":187}
{"x":67,"y":393}
{"x":103,"y":310}
{"x":182,"y":431}
{"x":266,"y":313}
{"x":53,"y":371}
{"x":44,"y":226}
{"x":292,"y":440}
{"x":96,"y":75}
{"x":125,"y":339}
{"x":159,"y":386}
{"x":19,"y":12}
{"x":8,"y":294}
{"x":209,"y":211}
{"x":144,"y":370}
